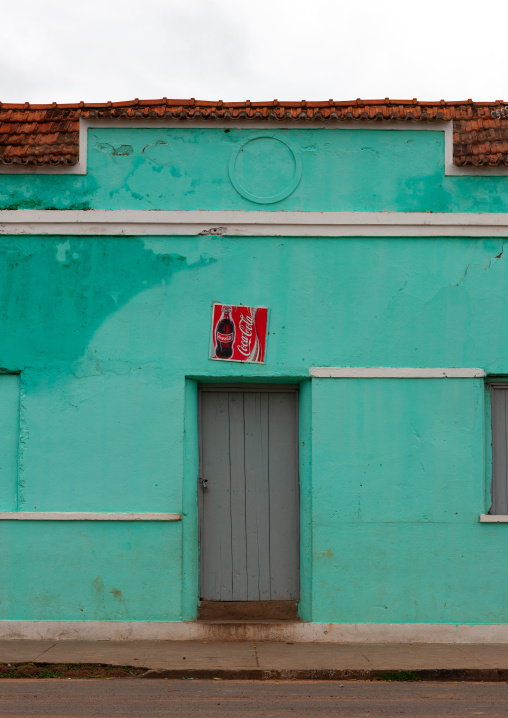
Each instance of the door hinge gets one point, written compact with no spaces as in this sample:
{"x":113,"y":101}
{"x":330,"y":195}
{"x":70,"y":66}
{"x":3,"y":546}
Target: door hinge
{"x":203,"y":482}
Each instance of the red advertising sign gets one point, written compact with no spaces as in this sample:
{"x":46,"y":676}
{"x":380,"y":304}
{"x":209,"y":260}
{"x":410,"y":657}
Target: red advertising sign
{"x":238,"y":333}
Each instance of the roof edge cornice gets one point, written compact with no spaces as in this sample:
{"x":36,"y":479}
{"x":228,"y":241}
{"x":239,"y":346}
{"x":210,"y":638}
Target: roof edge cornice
{"x":48,"y":134}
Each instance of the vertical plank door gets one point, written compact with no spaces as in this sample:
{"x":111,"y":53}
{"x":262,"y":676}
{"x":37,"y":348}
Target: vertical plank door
{"x":249,"y":510}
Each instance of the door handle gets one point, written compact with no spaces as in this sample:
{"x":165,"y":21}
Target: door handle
{"x":203,"y":482}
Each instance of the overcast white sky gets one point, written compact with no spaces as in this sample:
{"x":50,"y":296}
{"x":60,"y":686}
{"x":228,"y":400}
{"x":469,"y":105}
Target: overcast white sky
{"x":101,"y":50}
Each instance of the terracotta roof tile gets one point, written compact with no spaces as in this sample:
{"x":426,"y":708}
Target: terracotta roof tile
{"x":49,"y":134}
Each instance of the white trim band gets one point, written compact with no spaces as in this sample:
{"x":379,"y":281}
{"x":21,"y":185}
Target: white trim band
{"x":382,"y":372}
{"x":494,"y":519}
{"x":84,"y":516}
{"x":239,"y":631}
{"x":253,"y":223}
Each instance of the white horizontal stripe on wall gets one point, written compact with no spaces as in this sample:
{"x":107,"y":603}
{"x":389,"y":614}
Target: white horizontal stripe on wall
{"x":494,"y":519}
{"x":84,"y":516}
{"x":253,"y":223}
{"x":281,"y":632}
{"x":381,"y":372}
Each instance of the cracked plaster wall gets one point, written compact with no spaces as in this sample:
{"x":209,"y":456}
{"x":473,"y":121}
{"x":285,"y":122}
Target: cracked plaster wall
{"x":104,"y":331}
{"x":186,"y":169}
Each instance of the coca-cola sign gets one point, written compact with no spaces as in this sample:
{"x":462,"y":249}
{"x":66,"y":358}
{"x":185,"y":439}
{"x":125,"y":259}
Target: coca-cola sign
{"x":238,"y":333}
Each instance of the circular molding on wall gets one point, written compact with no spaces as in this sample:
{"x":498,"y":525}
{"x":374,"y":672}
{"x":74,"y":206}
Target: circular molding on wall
{"x":283,"y":188}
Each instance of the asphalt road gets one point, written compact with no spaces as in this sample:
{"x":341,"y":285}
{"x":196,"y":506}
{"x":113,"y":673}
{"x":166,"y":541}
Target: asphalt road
{"x":138,"y":698}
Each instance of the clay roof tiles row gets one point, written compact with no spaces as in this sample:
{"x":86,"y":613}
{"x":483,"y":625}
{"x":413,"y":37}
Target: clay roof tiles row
{"x":32,"y":134}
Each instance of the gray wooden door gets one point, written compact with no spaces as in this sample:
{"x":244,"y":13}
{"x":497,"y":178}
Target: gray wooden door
{"x":249,"y":494}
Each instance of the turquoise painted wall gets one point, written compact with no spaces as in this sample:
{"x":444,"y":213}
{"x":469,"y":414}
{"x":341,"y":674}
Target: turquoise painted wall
{"x":104,"y":331}
{"x":110,"y":336}
{"x":9,"y":440}
{"x":90,"y":571}
{"x":398,"y":487}
{"x":185,"y":169}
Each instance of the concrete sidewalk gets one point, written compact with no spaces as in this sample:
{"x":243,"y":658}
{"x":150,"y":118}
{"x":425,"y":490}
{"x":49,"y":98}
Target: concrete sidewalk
{"x":262,"y":660}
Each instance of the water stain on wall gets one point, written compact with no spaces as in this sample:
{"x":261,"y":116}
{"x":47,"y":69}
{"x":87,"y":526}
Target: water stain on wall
{"x":55,"y":293}
{"x":98,"y":587}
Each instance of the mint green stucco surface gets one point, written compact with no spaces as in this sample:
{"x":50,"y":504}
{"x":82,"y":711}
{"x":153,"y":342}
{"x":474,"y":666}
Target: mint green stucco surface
{"x":185,"y":169}
{"x":104,"y":339}
{"x":104,"y":332}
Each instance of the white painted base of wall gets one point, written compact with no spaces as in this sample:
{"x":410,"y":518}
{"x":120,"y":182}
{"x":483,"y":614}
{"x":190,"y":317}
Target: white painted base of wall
{"x":295,"y":632}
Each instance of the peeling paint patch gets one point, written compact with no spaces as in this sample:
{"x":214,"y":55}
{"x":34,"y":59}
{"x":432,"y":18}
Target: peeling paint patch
{"x":61,"y":251}
{"x":121,"y":151}
{"x":217,"y":231}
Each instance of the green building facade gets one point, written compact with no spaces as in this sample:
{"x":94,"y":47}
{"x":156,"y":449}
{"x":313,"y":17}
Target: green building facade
{"x":383,"y":269}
